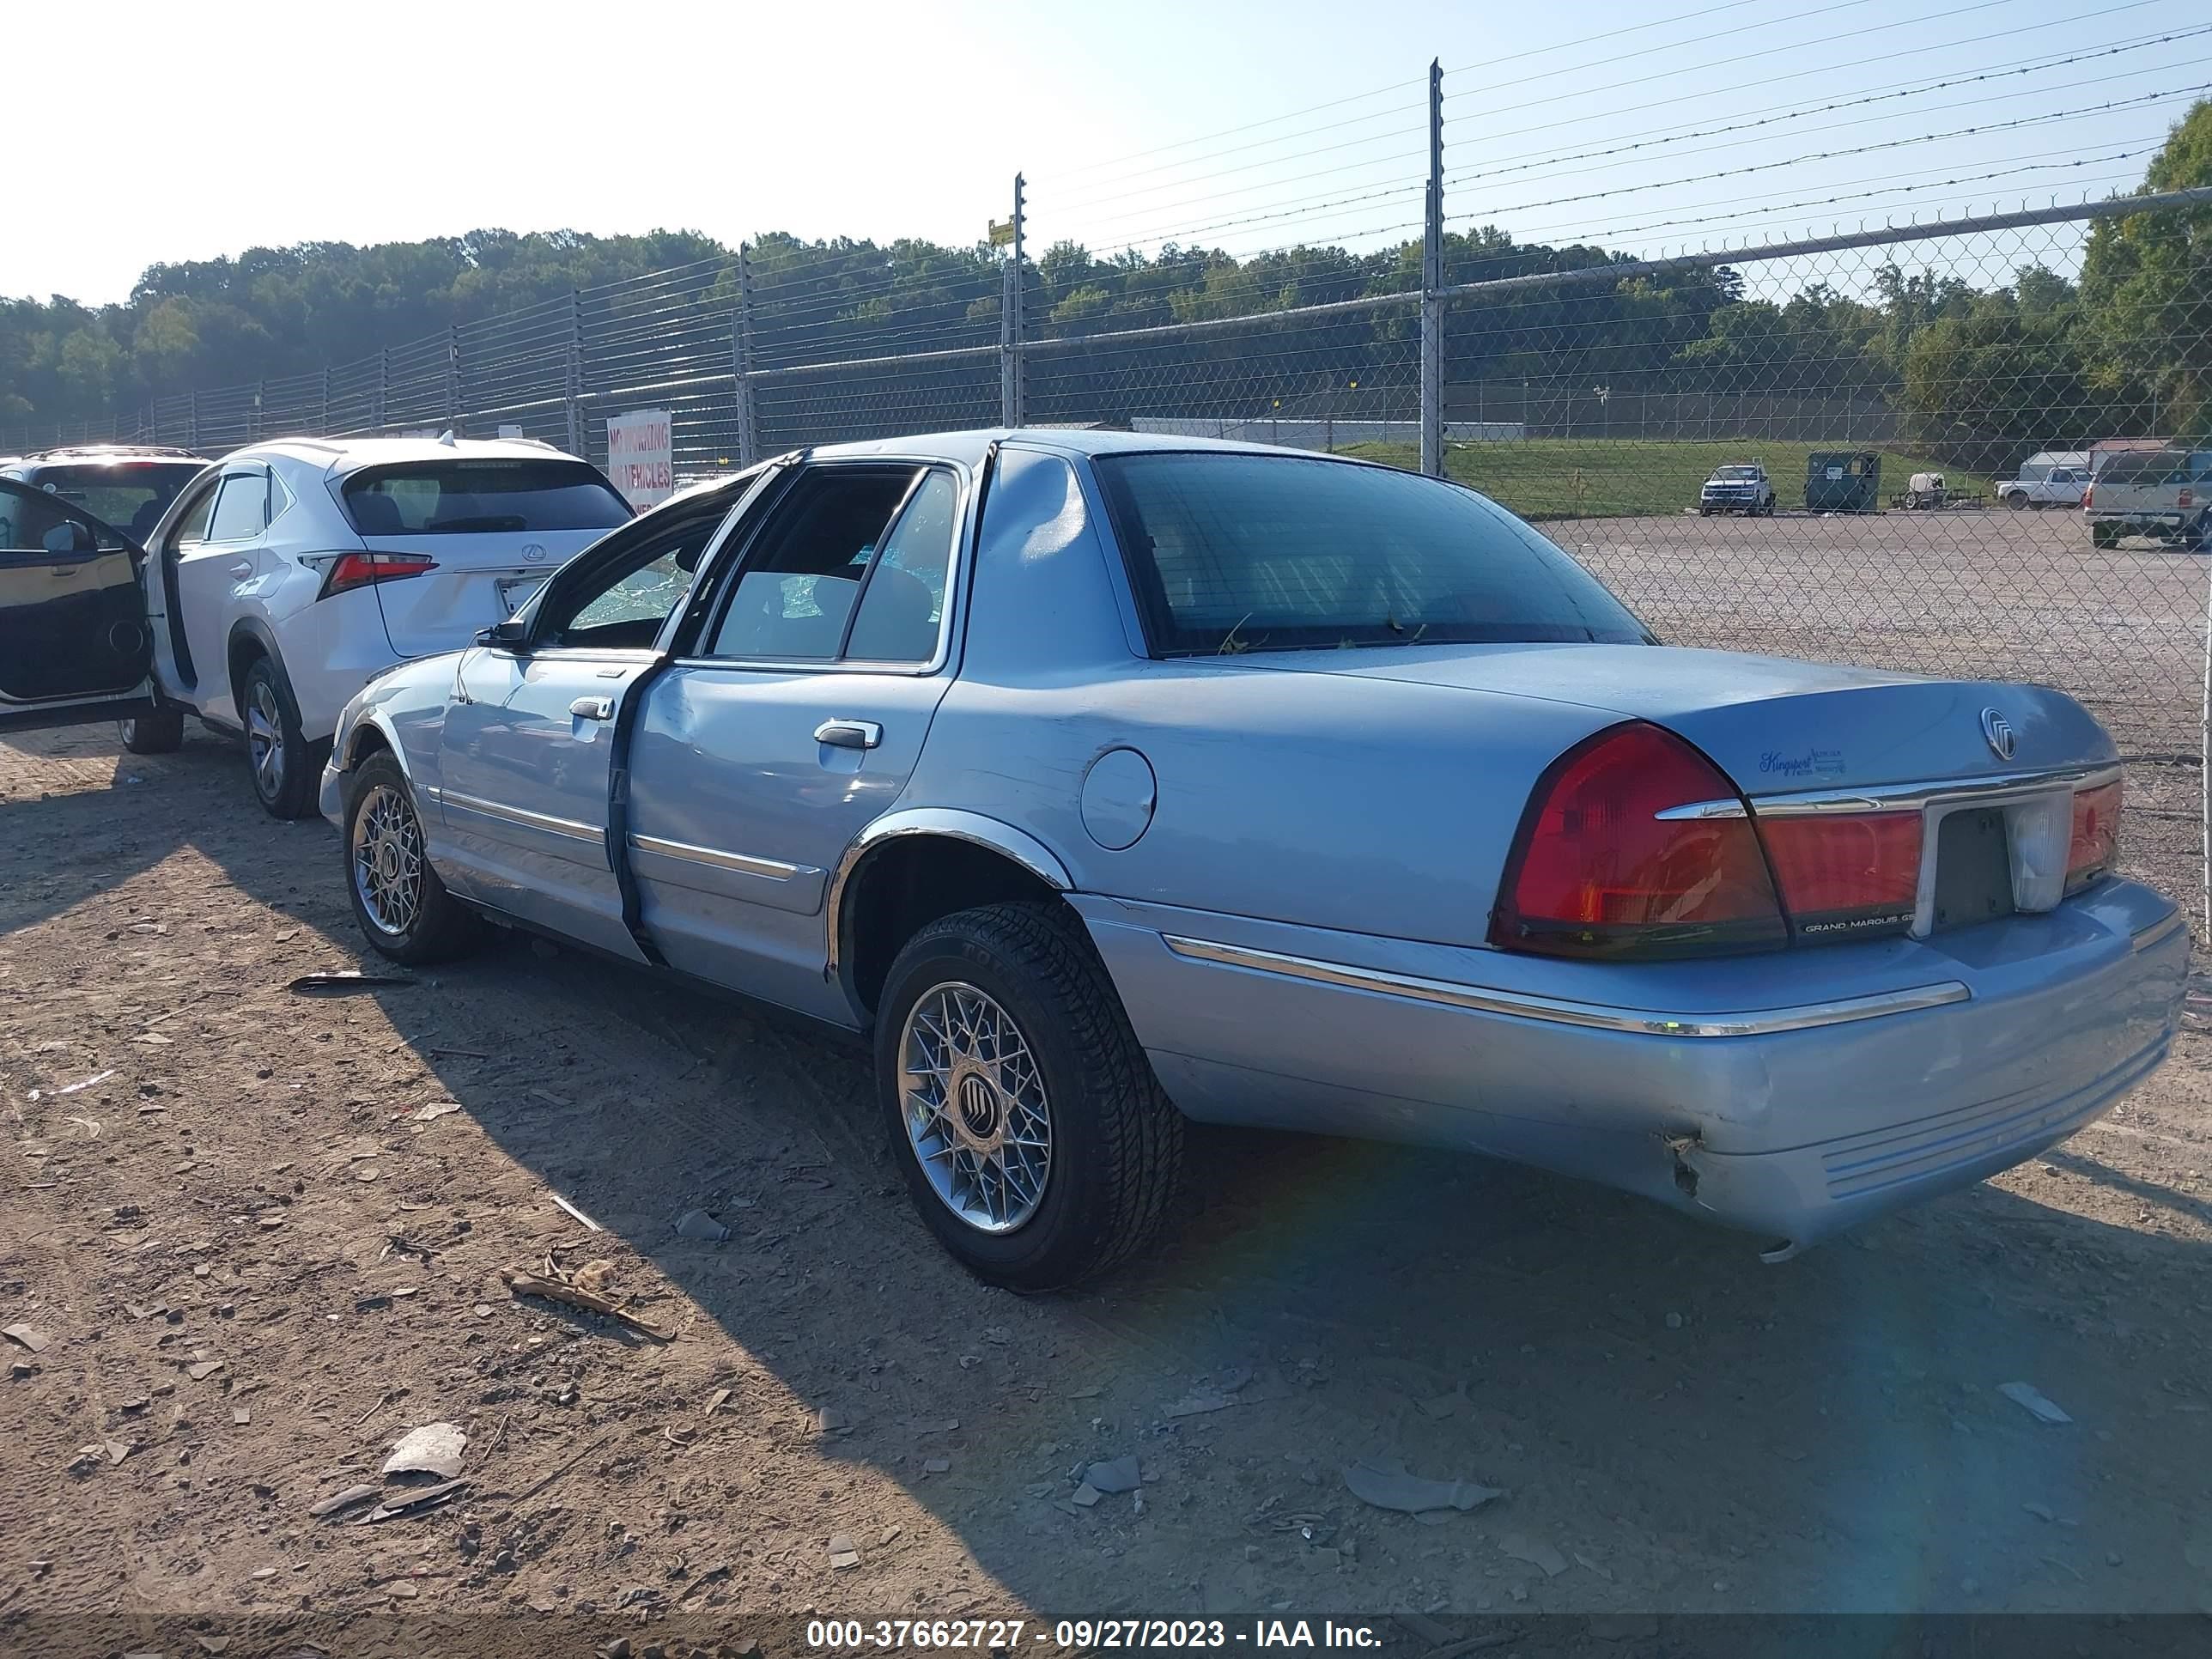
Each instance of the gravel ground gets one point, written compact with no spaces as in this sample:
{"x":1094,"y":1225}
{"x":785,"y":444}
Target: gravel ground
{"x":258,"y":1249}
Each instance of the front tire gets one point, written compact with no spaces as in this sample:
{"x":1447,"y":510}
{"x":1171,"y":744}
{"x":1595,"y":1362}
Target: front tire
{"x":157,"y":731}
{"x":397,"y":900}
{"x":286,"y":768}
{"x":1037,"y":1145}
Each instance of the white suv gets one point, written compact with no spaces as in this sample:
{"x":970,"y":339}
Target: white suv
{"x":285,"y":577}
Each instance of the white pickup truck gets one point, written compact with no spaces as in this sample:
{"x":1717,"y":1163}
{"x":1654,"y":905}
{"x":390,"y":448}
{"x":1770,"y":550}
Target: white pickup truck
{"x":2164,"y":494}
{"x":2046,"y":480}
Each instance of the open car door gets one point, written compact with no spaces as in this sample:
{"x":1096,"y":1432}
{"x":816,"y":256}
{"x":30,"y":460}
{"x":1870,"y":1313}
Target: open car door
{"x":75,"y":646}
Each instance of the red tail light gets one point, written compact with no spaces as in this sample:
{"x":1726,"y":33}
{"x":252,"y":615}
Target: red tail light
{"x":1596,"y":871}
{"x":352,"y":570}
{"x":2096,"y":841}
{"x":1847,"y":876}
{"x":2088,"y":498}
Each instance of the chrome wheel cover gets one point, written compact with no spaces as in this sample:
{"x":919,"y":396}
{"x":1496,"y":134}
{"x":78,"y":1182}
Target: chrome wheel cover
{"x":264,"y":738}
{"x":975,"y":1107}
{"x":387,"y":860}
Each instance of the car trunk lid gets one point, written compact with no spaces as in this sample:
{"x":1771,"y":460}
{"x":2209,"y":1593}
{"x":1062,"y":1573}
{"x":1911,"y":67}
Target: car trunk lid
{"x":1774,"y":725}
{"x":480,"y":579}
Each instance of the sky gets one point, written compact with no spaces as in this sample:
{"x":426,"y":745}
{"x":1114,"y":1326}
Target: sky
{"x":196,"y":132}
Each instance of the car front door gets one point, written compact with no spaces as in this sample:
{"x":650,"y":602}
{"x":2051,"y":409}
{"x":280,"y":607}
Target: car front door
{"x":525,"y":756}
{"x":793,"y":718}
{"x":74,"y":641}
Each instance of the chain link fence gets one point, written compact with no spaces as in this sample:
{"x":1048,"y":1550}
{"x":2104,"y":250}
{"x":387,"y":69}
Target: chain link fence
{"x":1871,"y":447}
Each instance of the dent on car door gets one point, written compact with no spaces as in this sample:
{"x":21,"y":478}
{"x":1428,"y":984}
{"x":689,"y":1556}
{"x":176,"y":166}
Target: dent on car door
{"x":793,"y":720}
{"x":74,"y":644}
{"x":525,"y":756}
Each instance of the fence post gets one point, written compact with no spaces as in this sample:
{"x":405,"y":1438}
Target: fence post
{"x":1010,"y":327}
{"x":741,"y":360}
{"x":192,"y":420}
{"x":573,"y":372}
{"x":258,"y":428}
{"x":1432,"y":281}
{"x":322,"y":425}
{"x":383,"y":387}
{"x":452,"y":371}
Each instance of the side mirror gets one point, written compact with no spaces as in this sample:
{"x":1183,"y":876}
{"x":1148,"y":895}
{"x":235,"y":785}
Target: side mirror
{"x":70,"y":537}
{"x":513,"y":634}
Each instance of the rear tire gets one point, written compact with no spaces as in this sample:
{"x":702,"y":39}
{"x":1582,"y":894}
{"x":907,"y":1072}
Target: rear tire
{"x":399,"y":901}
{"x":1000,"y":1045}
{"x":286,"y":768}
{"x":2016,"y":500}
{"x":157,"y":731}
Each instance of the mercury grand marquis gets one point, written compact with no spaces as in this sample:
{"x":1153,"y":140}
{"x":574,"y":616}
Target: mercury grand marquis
{"x":1107,"y":781}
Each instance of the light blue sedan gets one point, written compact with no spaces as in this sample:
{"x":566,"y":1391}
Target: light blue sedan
{"x":1107,"y":781}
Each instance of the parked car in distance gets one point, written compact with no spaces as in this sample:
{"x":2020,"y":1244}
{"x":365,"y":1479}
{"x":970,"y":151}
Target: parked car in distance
{"x":128,"y":485}
{"x":2051,"y":478}
{"x":276,"y":584}
{"x":2163,"y":494}
{"x":1745,"y":489}
{"x":1108,"y":780}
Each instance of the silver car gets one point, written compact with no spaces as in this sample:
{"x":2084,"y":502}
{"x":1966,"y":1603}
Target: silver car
{"x":1107,"y":781}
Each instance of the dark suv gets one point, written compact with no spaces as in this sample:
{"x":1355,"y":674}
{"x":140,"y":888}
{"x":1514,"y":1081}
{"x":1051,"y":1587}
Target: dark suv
{"x":127,"y":485}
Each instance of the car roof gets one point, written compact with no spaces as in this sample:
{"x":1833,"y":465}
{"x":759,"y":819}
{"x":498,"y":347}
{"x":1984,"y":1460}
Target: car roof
{"x":94,"y":454}
{"x":967,"y":447}
{"x":338,"y":457}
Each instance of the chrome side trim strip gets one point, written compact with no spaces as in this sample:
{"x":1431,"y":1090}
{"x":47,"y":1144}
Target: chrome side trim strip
{"x":1762,"y":1022}
{"x":546,"y":822}
{"x":1730,"y":808}
{"x":772,"y":869}
{"x":2159,"y":931}
{"x":1912,"y":797}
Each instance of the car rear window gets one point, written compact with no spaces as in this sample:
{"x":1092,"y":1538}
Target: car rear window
{"x":130,"y":495}
{"x":1233,"y":552}
{"x":459,"y":497}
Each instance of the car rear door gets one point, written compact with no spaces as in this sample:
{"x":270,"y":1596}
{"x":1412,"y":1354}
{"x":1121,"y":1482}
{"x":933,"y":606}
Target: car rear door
{"x":74,"y":641}
{"x":526,"y":753}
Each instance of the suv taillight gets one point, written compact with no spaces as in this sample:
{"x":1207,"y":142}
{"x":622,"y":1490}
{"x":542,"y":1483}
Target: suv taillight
{"x":1597,"y":871}
{"x":352,"y":570}
{"x":2096,"y":840}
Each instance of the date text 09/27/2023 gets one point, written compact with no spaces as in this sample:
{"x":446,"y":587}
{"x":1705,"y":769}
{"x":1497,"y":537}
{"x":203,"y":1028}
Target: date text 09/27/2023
{"x":1008,"y":1636}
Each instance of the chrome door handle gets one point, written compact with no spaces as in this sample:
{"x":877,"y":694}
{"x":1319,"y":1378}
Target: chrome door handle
{"x":242,"y":569}
{"x":849,"y":734}
{"x":593,"y":708}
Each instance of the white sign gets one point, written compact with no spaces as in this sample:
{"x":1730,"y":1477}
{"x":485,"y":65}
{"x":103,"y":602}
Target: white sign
{"x":641,"y":455}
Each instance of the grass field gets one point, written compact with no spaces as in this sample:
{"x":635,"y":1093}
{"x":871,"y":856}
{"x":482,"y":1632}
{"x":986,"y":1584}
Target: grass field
{"x":1625,"y":478}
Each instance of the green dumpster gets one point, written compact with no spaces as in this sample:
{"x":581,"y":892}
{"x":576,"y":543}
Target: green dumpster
{"x":1843,"y":481}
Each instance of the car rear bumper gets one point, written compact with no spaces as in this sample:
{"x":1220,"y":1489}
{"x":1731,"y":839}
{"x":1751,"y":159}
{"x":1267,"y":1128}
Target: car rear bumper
{"x":1792,"y":1099}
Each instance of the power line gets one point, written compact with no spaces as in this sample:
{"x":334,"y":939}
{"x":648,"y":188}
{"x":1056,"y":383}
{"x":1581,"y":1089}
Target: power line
{"x":1769,"y":117}
{"x":1863,"y":150}
{"x":1836,"y":126}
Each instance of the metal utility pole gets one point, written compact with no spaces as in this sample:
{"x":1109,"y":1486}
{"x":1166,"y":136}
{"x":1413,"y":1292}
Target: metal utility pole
{"x":574,"y":375}
{"x":1010,"y":326}
{"x":1432,"y":281}
{"x":741,"y":361}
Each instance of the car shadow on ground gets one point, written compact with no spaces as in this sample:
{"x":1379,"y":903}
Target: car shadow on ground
{"x":1688,"y":1427}
{"x":1676,"y":1425}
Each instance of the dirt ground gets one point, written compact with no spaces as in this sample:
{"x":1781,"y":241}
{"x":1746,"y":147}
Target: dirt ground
{"x":256,"y":1257}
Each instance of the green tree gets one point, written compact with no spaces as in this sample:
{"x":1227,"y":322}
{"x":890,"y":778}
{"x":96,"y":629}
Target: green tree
{"x":2146,"y":297}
